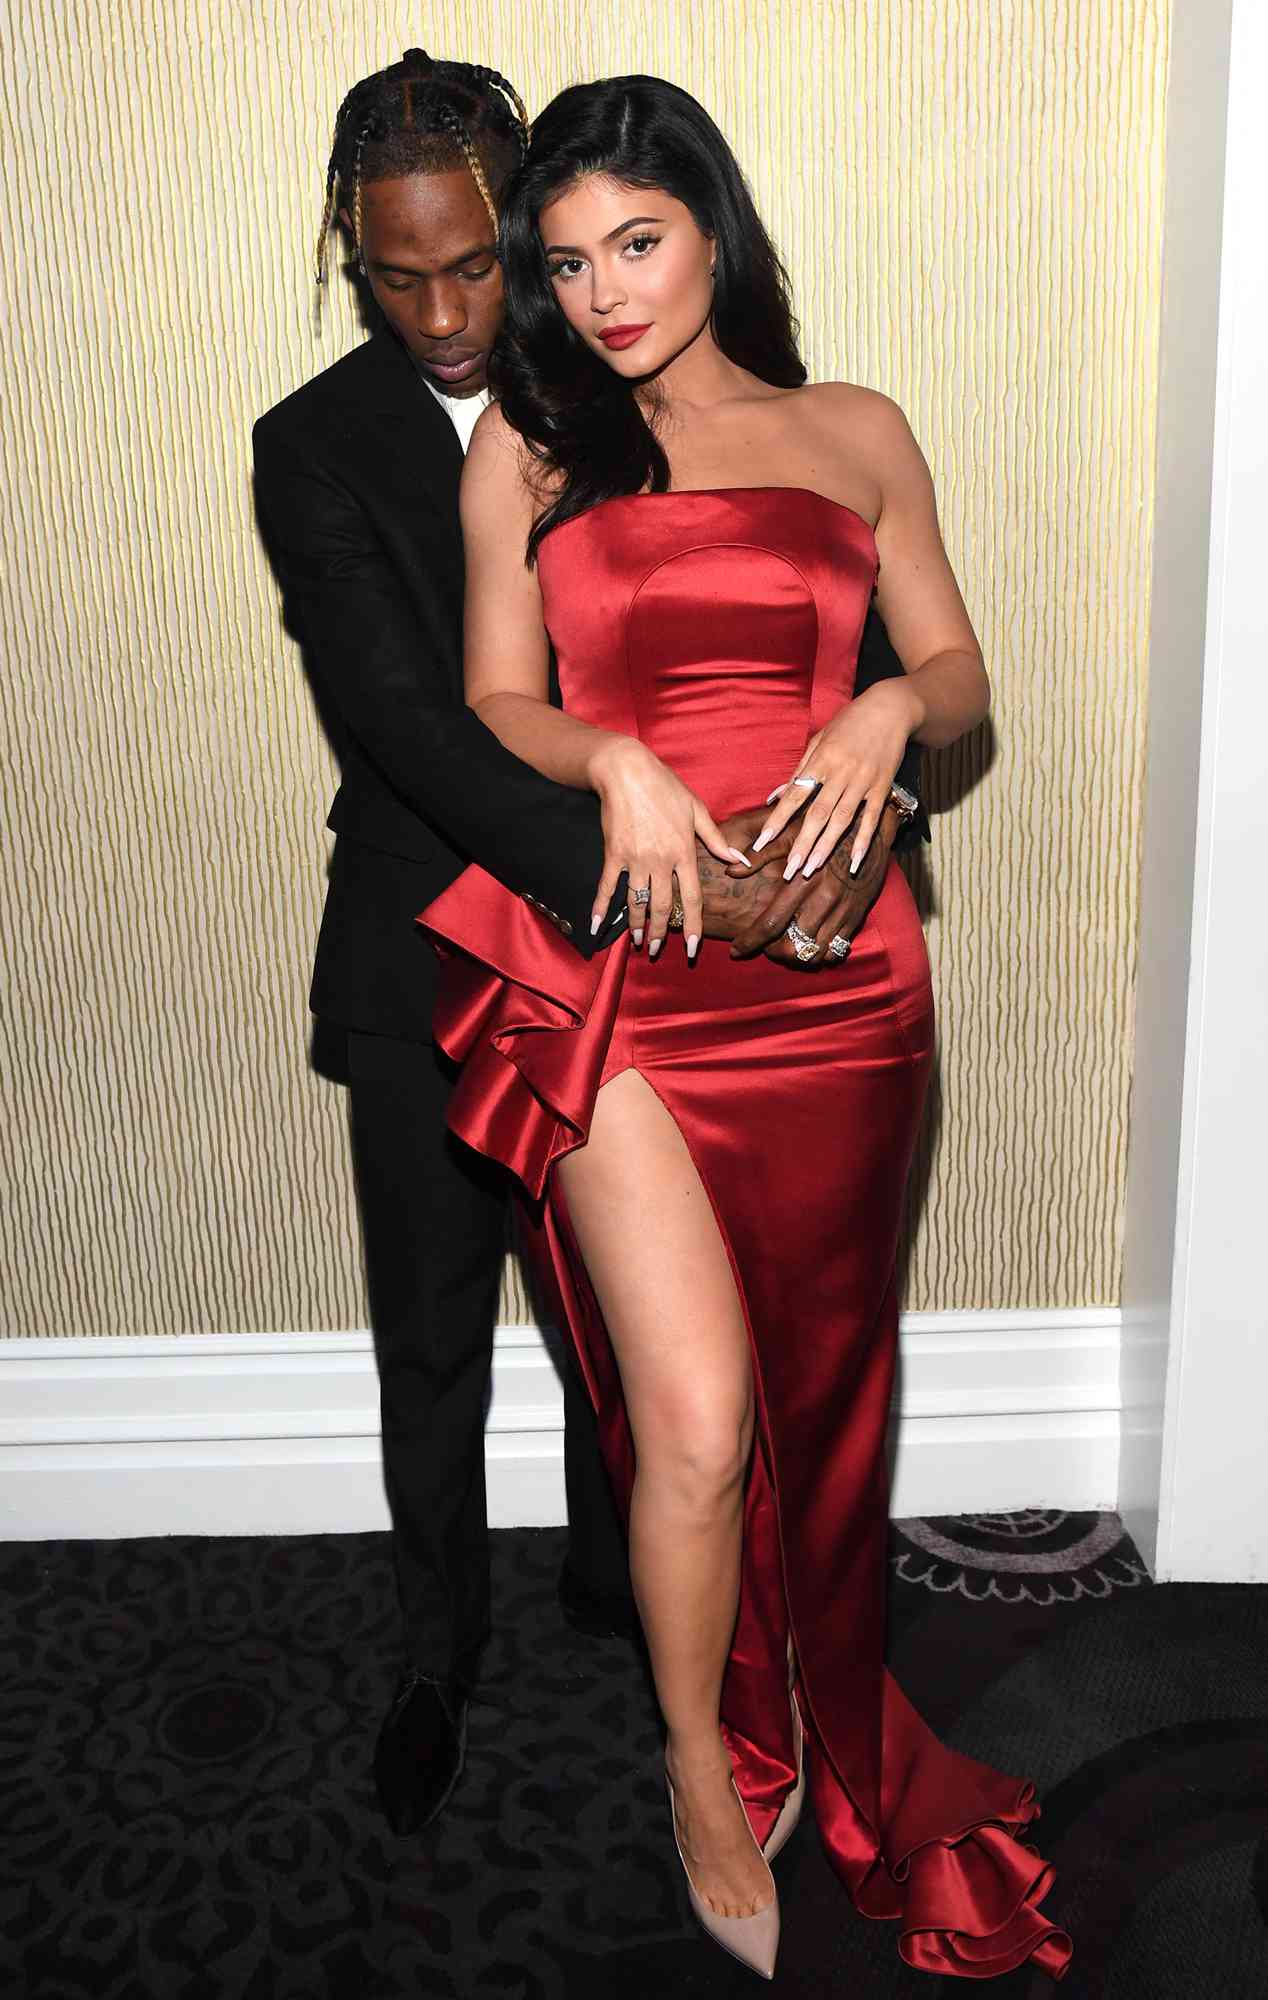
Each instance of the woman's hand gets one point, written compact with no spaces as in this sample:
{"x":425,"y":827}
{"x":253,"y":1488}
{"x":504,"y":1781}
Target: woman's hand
{"x":651,"y":823}
{"x":846,"y":765}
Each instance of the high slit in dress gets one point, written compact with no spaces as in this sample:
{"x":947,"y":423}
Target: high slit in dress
{"x":722,"y":627}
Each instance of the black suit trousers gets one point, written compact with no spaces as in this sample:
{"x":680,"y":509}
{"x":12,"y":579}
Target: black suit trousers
{"x":433,"y":1220}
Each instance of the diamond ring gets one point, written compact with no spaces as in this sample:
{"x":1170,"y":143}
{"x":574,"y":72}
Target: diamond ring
{"x":811,"y":784}
{"x":805,"y":946}
{"x":641,"y":896}
{"x":840,"y":946}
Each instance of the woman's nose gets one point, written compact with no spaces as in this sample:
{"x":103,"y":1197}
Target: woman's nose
{"x":606,"y":292}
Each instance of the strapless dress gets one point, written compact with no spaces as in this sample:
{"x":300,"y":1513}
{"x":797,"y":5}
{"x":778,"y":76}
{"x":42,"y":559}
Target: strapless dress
{"x":722,"y":628}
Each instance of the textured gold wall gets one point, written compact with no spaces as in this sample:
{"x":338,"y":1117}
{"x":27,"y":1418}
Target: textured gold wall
{"x":969,"y":197}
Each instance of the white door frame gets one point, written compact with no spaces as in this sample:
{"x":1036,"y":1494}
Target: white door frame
{"x":1194,"y":1468}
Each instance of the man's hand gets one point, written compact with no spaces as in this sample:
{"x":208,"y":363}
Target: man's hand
{"x":734,"y":897}
{"x":833,"y":903}
{"x":751,"y":908}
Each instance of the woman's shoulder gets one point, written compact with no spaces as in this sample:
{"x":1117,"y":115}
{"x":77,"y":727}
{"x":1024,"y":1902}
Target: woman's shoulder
{"x":869,"y":430}
{"x":841,"y":404}
{"x":498,"y":461}
{"x":492,"y":434}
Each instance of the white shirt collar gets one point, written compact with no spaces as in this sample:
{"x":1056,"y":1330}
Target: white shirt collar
{"x":464,"y":412}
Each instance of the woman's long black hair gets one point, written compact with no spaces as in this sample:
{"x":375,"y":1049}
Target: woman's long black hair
{"x":582,"y":420}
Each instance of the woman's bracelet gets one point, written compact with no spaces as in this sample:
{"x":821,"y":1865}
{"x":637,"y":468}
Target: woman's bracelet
{"x":905,"y":803}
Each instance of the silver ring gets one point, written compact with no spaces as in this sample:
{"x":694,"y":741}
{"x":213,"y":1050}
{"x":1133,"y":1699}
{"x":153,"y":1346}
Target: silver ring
{"x":811,"y":784}
{"x":839,"y":946}
{"x":805,"y":946}
{"x":641,"y":896}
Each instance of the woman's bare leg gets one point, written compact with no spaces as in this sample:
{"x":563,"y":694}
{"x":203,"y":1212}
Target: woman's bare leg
{"x":651,"y":1245}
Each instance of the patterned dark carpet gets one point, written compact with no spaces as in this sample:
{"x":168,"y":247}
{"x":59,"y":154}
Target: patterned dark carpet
{"x":187,"y":1814}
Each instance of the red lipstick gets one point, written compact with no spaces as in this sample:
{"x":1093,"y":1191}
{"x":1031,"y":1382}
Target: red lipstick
{"x":622,"y":336}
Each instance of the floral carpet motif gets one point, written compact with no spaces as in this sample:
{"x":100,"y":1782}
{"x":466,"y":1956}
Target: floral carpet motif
{"x":187,"y":1813}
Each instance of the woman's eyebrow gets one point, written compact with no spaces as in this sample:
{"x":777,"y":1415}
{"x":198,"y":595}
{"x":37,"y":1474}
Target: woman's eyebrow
{"x":558,"y":249}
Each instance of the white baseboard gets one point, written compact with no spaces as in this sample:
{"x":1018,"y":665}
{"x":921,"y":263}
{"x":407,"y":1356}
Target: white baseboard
{"x":240,"y":1434}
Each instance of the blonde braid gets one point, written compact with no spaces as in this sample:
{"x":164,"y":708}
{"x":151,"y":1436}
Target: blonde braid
{"x":499,"y":82}
{"x":356,"y":199}
{"x":458,"y":133}
{"x":323,"y":233}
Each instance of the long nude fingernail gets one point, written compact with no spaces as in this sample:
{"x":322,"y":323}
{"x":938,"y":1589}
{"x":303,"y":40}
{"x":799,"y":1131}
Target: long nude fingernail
{"x":594,"y":926}
{"x":761,"y":841}
{"x":736,"y":855}
{"x":856,"y":862}
{"x":693,"y":945}
{"x":637,"y":936}
{"x":794,"y":863}
{"x":654,"y":947}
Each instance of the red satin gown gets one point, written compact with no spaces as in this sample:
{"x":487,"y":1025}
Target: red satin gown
{"x":722,"y":627}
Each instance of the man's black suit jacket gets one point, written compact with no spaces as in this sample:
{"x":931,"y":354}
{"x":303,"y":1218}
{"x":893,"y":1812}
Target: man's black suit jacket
{"x":357,"y":495}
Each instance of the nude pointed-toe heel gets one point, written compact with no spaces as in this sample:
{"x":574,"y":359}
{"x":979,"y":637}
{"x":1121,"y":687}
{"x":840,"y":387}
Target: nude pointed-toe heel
{"x":790,"y":1811}
{"x":753,"y":1940}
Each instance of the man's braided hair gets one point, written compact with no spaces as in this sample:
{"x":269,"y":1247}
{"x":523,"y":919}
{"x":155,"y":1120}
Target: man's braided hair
{"x":421,"y":117}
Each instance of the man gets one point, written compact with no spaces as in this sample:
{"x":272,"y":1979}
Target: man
{"x":357,"y":487}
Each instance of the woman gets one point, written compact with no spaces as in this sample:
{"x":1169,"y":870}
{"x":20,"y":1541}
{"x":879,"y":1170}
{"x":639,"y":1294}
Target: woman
{"x":720,"y":1145}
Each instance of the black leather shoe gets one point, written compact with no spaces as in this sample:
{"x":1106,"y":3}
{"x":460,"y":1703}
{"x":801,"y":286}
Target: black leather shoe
{"x":597,"y":1617}
{"x":420,"y":1752}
